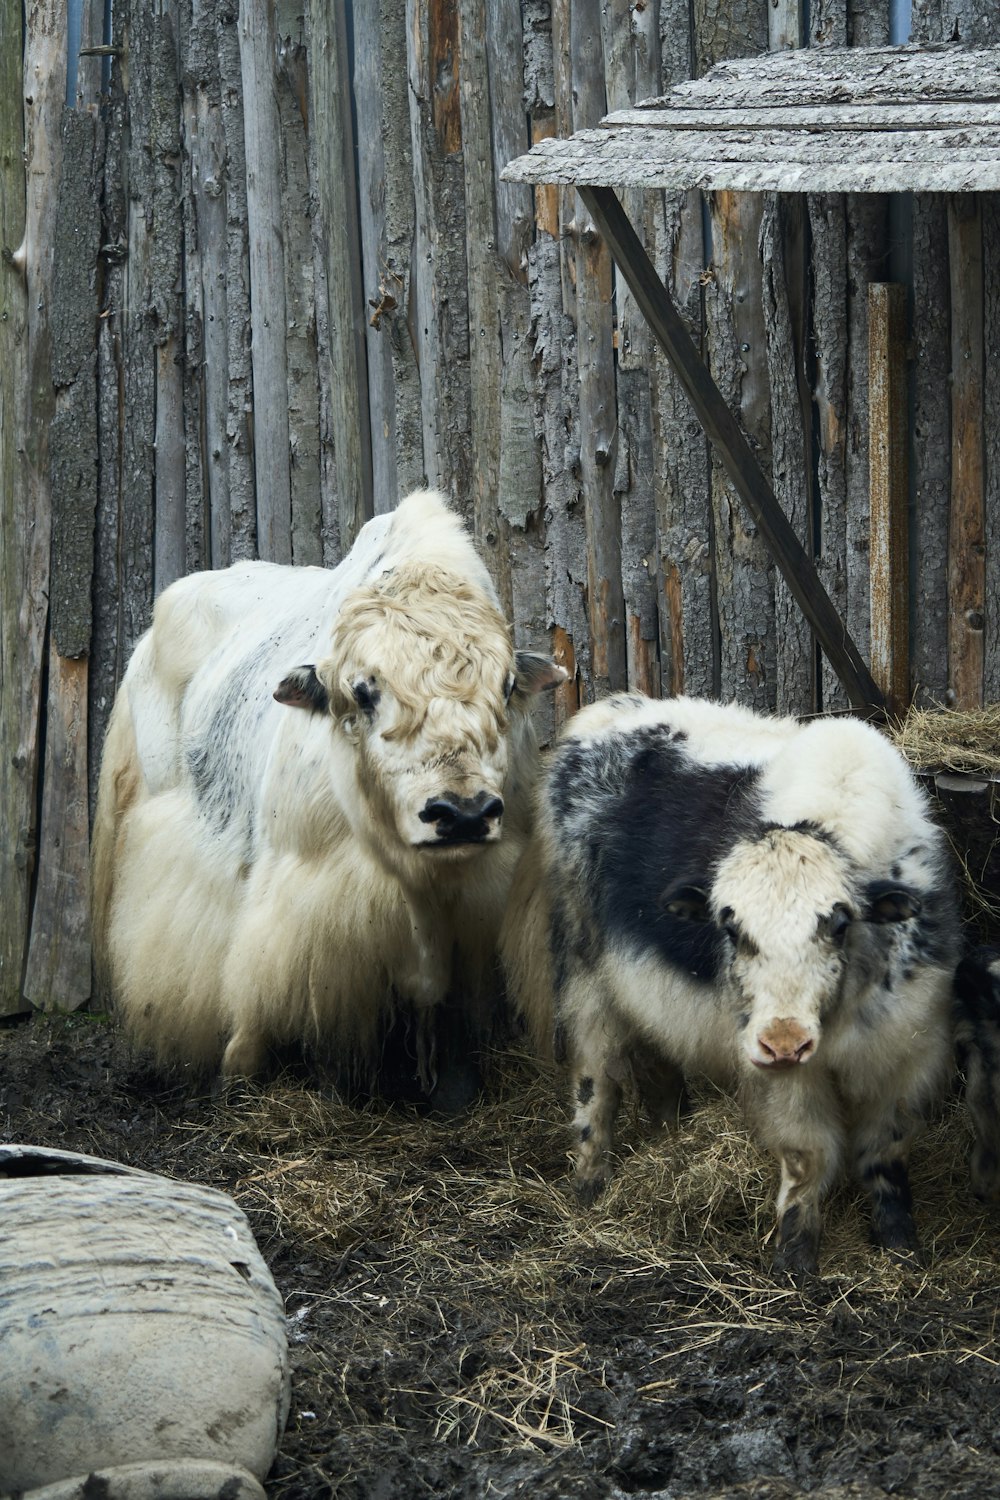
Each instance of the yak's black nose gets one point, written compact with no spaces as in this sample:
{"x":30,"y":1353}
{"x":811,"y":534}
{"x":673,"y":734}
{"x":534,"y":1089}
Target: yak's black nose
{"x":463,"y":820}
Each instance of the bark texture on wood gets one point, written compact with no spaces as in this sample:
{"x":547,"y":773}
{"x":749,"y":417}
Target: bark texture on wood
{"x":337,"y":202}
{"x":301,"y":374}
{"x":967,"y":528}
{"x":20,"y":649}
{"x":440,"y":276}
{"x":27,"y":517}
{"x":889,"y":492}
{"x":990,"y":207}
{"x":930,"y":449}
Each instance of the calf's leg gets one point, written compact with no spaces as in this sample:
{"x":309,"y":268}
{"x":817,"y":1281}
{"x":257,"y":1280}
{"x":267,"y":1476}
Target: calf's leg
{"x":799,"y":1120}
{"x":596,"y":1071}
{"x":881,"y":1148}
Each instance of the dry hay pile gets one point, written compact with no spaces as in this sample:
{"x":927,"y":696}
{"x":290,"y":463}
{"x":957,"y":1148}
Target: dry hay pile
{"x":459,"y":1326}
{"x":949,"y":739}
{"x":464,"y":1236}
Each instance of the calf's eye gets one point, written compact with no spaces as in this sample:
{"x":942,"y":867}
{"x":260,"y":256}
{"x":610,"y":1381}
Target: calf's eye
{"x":836,"y":924}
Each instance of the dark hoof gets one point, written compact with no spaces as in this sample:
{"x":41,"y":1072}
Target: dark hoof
{"x":798,"y":1260}
{"x":457,"y":1089}
{"x":587,"y":1192}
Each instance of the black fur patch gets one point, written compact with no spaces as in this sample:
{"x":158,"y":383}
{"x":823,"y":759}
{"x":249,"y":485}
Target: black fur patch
{"x":586,"y":1091}
{"x":649,"y":819}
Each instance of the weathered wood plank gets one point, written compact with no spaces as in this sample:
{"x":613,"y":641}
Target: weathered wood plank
{"x":384,"y":165}
{"x":828,"y":237}
{"x":239,"y":383}
{"x":930,"y":448}
{"x":197,"y":523}
{"x":947,"y":160}
{"x":836,"y":72}
{"x":784,"y":294}
{"x":165,"y":314}
{"x":58,"y":971}
{"x":484,"y":270}
{"x":301,"y":373}
{"x":519,"y":519}
{"x":57,"y":976}
{"x":441,"y":273}
{"x":207,"y":280}
{"x":990,"y":206}
{"x":138,"y":450}
{"x":688,"y":624}
{"x":73,"y":435}
{"x":737,"y":356}
{"x":267,"y":280}
{"x":725,"y":433}
{"x":631,"y":66}
{"x":106,"y":655}
{"x":552,"y":282}
{"x":23,"y":553}
{"x":969,"y":22}
{"x":888,"y":442}
{"x":967,"y":525}
{"x":867,"y":251}
{"x":809,"y":116}
{"x":595,"y":354}
{"x":330,"y":95}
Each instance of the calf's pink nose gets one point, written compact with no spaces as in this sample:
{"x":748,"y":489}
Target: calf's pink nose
{"x":784,"y":1042}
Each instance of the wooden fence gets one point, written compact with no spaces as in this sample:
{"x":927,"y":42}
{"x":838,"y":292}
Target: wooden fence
{"x":261,"y":277}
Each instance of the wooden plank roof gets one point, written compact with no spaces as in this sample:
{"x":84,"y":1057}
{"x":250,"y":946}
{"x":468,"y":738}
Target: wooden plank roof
{"x":860,"y":119}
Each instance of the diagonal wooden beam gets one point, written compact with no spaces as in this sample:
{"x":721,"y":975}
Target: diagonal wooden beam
{"x":732,"y":447}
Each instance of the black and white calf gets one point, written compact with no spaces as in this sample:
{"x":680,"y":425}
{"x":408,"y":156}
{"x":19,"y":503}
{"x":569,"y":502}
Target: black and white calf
{"x":977,"y":1039}
{"x":763,"y":902}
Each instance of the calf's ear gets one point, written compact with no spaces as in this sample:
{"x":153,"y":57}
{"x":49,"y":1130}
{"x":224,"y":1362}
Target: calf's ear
{"x":303,"y":689}
{"x":888,"y":901}
{"x":535,"y":673}
{"x":688,"y":902}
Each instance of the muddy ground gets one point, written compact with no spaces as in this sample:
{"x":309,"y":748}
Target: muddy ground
{"x":459,"y":1328}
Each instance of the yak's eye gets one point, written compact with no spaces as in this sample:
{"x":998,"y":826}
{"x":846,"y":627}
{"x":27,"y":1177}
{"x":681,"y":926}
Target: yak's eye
{"x":366,"y":695}
{"x":836,"y":924}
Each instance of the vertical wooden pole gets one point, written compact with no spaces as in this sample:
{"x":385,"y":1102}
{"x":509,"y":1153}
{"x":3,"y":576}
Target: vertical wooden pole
{"x":267,"y":280}
{"x":967,"y":529}
{"x":23,"y":555}
{"x":57,"y":975}
{"x":331,"y":124}
{"x":888,"y":468}
{"x":595,"y":354}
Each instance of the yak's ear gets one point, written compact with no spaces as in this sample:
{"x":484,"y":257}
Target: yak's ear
{"x":303,"y":689}
{"x":888,"y":901}
{"x":535,"y":673}
{"x":688,"y":902}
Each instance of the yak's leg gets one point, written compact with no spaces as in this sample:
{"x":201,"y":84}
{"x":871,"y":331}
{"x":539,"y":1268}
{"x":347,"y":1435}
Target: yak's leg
{"x":977,"y":1040}
{"x":245,"y":1054}
{"x":596,"y":1072}
{"x":881,"y":1149}
{"x":799,"y":1120}
{"x":804,"y":1177}
{"x":662,"y":1088}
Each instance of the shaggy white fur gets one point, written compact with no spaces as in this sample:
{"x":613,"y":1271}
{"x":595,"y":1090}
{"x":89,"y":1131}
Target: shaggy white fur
{"x":261,"y":869}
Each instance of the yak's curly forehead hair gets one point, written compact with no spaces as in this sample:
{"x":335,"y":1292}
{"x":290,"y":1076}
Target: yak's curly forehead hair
{"x":424,"y":633}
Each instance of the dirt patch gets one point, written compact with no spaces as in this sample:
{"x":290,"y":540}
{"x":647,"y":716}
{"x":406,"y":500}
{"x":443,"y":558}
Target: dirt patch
{"x":459,"y":1328}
